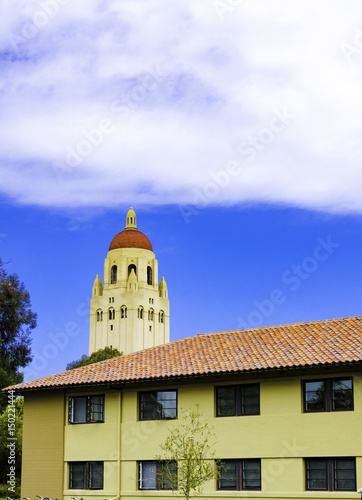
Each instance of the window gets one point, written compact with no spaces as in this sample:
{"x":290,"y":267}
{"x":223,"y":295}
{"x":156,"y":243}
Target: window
{"x":240,"y":475}
{"x":150,"y":315}
{"x":157,"y":475}
{"x":86,"y":409}
{"x":160,"y":317}
{"x":114,"y":274}
{"x":158,"y":405}
{"x":123,"y":312}
{"x":130,"y":267}
{"x":331,"y":474}
{"x":99,"y":315}
{"x":86,"y":475}
{"x":111,"y":299}
{"x":140,"y":312}
{"x":111,"y":314}
{"x":234,"y":400}
{"x":328,"y":395}
{"x":149,"y":275}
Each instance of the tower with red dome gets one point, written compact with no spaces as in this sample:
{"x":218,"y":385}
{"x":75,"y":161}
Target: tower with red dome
{"x":130,"y":311}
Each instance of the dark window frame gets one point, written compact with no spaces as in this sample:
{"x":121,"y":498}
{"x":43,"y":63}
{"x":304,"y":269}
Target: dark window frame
{"x":159,"y":481}
{"x":240,"y":479}
{"x":239,"y":403}
{"x":113,"y":274}
{"x":87,"y":475}
{"x":157,"y":413}
{"x":149,"y":275}
{"x":89,"y":409}
{"x":330,"y":477}
{"x":328,"y":398}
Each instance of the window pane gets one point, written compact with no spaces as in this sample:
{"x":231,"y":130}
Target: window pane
{"x":76,"y":476}
{"x":342,"y":395}
{"x":226,"y":401}
{"x":96,"y":409}
{"x":251,"y":475}
{"x":317,"y":475}
{"x":148,"y":403}
{"x":80,"y":410}
{"x":169,"y":476}
{"x":345,"y":475}
{"x":95,"y":475}
{"x":250,"y":399}
{"x":158,"y":405}
{"x":314,"y":396}
{"x":228,"y":478}
{"x":167,"y":404}
{"x":147,"y":475}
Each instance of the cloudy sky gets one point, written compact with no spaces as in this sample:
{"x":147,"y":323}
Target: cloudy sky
{"x":150,"y":99}
{"x":204,"y":115}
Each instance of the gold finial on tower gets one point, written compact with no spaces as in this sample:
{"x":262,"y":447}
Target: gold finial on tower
{"x":131,"y":219}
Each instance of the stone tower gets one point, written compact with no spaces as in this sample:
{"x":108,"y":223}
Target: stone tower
{"x":131,"y":310}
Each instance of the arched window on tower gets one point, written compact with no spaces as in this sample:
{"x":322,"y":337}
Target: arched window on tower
{"x":140,"y":312}
{"x":99,"y":315}
{"x":111,"y":313}
{"x":150,"y":315}
{"x":149,"y":275}
{"x":130,"y":267}
{"x":114,"y":274}
{"x":161,"y":317}
{"x":123,"y":312}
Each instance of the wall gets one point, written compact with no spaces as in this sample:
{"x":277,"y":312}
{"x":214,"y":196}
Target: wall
{"x":43,"y":444}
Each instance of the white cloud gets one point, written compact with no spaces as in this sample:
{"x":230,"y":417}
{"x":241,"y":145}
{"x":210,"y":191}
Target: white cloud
{"x":145,"y":102}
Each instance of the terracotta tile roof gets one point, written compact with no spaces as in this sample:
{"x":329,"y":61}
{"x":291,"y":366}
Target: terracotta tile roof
{"x":337,"y":341}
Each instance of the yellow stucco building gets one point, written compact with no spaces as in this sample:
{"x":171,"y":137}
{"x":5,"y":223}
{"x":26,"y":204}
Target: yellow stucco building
{"x":285,"y":402}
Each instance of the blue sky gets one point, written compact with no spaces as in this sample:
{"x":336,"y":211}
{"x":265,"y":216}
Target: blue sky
{"x":232,"y":128}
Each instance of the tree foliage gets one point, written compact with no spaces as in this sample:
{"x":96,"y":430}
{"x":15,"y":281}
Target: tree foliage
{"x":189,"y":445}
{"x":100,"y":355}
{"x":16,"y":322}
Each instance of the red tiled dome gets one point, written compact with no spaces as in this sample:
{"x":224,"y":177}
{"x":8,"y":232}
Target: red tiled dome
{"x":130,"y":238}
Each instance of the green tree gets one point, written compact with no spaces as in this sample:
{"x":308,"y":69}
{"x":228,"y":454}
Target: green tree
{"x":16,"y":322}
{"x":100,"y":355}
{"x":189,"y":444}
{"x":6,"y":424}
